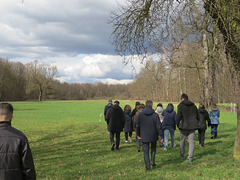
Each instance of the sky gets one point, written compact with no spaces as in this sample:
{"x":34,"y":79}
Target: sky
{"x":73,"y":35}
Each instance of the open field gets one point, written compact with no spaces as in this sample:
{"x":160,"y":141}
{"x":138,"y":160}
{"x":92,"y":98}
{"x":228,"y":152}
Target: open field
{"x":70,"y":141}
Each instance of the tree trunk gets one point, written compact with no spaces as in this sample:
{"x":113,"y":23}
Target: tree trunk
{"x":236,"y":151}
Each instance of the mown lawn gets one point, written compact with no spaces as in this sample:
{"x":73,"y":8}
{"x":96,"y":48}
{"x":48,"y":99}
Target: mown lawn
{"x":69,"y":140}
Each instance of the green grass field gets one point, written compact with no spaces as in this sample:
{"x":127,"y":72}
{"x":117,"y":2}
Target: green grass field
{"x":69,"y":140}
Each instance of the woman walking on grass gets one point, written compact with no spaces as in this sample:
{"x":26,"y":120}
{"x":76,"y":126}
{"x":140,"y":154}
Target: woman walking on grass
{"x":128,"y":127}
{"x":203,"y":117}
{"x":214,"y":114}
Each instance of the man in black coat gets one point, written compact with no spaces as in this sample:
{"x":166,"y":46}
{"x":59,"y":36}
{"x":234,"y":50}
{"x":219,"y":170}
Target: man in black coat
{"x":16,"y":161}
{"x":187,"y":123}
{"x":107,"y":107}
{"x":115,"y":120}
{"x":148,"y":128}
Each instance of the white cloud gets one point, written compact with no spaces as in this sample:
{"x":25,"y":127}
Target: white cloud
{"x":114,"y":81}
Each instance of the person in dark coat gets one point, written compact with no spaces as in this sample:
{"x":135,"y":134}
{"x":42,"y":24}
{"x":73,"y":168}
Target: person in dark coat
{"x":140,"y":109}
{"x":169,"y":125}
{"x":115,"y":119}
{"x":148,"y":128}
{"x":203,"y":117}
{"x":16,"y":161}
{"x":107,"y":107}
{"x":128,"y":126}
{"x":137,"y":104}
{"x":187,"y":123}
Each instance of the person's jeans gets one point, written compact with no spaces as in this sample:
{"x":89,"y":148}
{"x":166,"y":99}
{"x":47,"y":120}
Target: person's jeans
{"x":214,"y":130}
{"x":166,"y":135}
{"x":145,"y":146}
{"x":183,"y":135}
{"x":201,"y":137}
{"x":117,"y":138}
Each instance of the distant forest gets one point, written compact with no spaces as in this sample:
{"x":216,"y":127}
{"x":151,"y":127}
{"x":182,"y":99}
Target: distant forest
{"x":159,"y":81}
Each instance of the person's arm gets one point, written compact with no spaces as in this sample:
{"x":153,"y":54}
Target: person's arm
{"x":27,"y":165}
{"x":179,"y":115}
{"x":159,"y":127}
{"x":208,"y":119}
{"x":138,"y":125}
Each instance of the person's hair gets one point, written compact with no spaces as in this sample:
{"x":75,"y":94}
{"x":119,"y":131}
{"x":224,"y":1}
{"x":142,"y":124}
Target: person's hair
{"x":214,"y":106}
{"x":184,"y":96}
{"x":149,"y":103}
{"x":170,"y":104}
{"x":6,"y":109}
{"x":159,"y":104}
{"x":201,"y":106}
{"x":116,"y":102}
{"x":137,"y":103}
{"x":109,"y":101}
{"x":128,"y":107}
{"x":141,"y":106}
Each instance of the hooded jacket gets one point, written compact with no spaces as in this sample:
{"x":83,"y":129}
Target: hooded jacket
{"x":107,"y":107}
{"x":187,"y":116}
{"x":203,"y":117}
{"x":148,"y":125}
{"x":16,"y":161}
{"x":115,"y":119}
{"x":214,"y":115}
{"x":170,"y":117}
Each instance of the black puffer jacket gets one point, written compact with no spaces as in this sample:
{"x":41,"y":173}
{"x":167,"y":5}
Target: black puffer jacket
{"x":115,"y":119}
{"x":187,"y":116}
{"x":16,"y":161}
{"x":204,"y":116}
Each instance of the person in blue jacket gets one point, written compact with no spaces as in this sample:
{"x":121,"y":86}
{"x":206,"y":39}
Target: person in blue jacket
{"x":214,"y":114}
{"x":169,"y":125}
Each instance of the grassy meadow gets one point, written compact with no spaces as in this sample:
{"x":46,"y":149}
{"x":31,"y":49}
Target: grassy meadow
{"x":69,"y":140}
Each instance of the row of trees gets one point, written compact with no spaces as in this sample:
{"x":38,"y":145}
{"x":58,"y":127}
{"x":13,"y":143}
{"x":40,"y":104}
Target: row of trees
{"x":37,"y":81}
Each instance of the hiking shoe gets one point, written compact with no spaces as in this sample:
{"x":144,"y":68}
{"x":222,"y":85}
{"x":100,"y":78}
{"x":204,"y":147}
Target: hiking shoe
{"x":212,"y":136}
{"x":112,"y":148}
{"x":126,"y":141}
{"x":153,"y":164}
{"x":165,"y":149}
{"x":174,"y":146}
{"x":189,"y":161}
{"x":181,"y":156}
{"x":201,"y":146}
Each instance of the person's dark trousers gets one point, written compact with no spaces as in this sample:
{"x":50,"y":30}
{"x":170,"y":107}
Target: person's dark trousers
{"x":201,"y":137}
{"x":145,"y":146}
{"x":117,"y":138}
{"x":126,"y":135}
{"x":214,"y":130}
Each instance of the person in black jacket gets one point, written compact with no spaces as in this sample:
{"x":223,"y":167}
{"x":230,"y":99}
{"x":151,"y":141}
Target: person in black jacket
{"x":16,"y":161}
{"x":115,"y":119}
{"x":203,"y":117}
{"x":148,"y":128}
{"x":187,"y":123}
{"x":128,"y":126}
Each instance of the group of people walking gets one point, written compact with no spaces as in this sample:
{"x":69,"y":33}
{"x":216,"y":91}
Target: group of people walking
{"x":151,"y":125}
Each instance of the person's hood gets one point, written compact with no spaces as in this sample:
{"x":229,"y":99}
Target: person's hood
{"x":169,"y":109}
{"x":116,"y":107}
{"x":109,"y":105}
{"x":202,"y":110}
{"x":187,"y":103}
{"x":159,"y":109}
{"x":148,"y":111}
{"x":215,"y":109}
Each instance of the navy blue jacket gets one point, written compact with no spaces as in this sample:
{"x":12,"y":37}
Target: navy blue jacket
{"x":170,"y":117}
{"x":148,"y":125}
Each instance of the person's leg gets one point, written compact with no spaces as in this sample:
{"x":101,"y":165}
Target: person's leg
{"x":138,"y":144}
{"x":146,"y":155}
{"x":166,"y":134}
{"x":117,"y":140}
{"x":153,"y":152}
{"x":203,"y":137}
{"x":130,"y":137}
{"x":199,"y":136}
{"x":212,"y":131}
{"x":172,"y":137}
{"x":191,"y":138}
{"x":182,"y":142}
{"x":126,"y":137}
{"x":216,"y":133}
{"x":112,"y":140}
